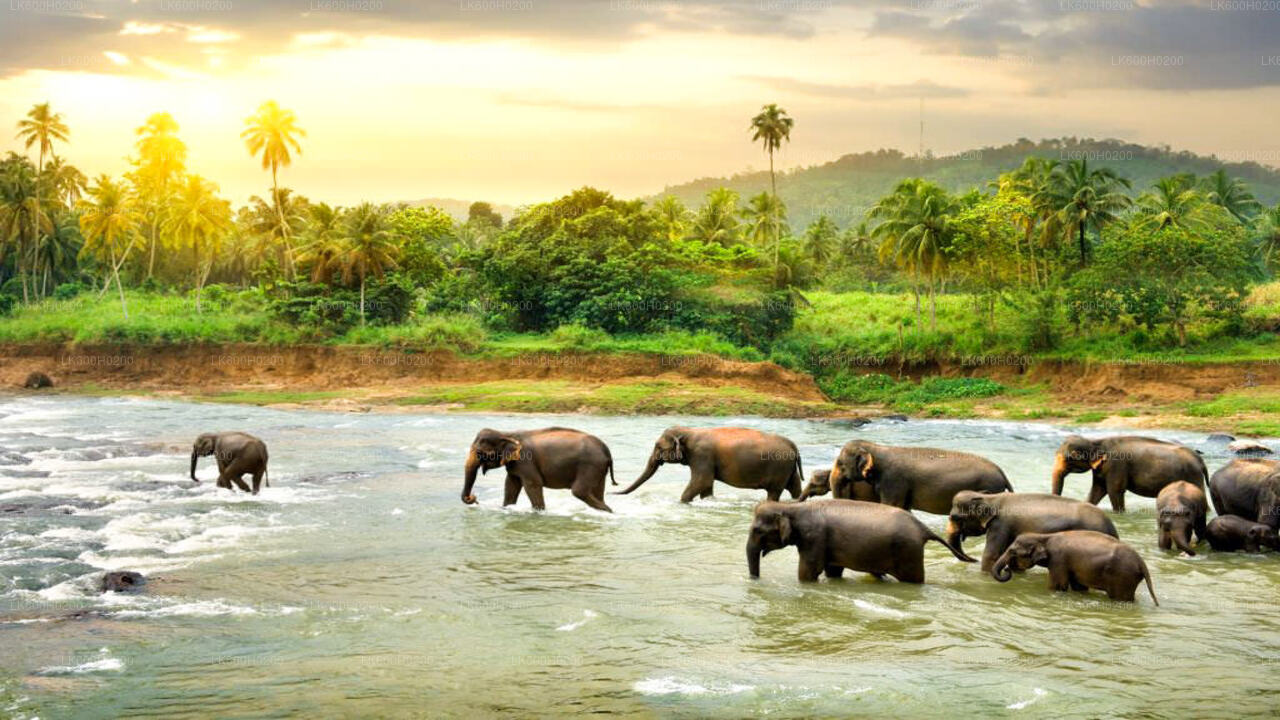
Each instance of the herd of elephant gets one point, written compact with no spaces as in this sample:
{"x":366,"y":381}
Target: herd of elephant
{"x":867,"y":526}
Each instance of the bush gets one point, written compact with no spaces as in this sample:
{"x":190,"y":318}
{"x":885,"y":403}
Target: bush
{"x":7,"y":304}
{"x":68,"y":290}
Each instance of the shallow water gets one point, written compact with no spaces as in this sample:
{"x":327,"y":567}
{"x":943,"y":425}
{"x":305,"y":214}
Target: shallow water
{"x":359,"y":584}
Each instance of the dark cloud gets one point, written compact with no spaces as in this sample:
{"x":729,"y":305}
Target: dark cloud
{"x":918,"y":89}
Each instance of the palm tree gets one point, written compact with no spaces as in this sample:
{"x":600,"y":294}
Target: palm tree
{"x":717,"y":219}
{"x":161,"y":161}
{"x":1174,"y":202}
{"x":276,"y":223}
{"x":272,"y":131}
{"x":1232,"y":195}
{"x":766,"y":217}
{"x":1086,"y":199}
{"x":855,"y":243}
{"x":1268,"y":236}
{"x":915,"y":232}
{"x":65,"y":182}
{"x":22,"y":217}
{"x":673,"y":217}
{"x":1032,"y":182}
{"x":42,"y":126}
{"x":109,"y":227}
{"x":371,"y":248}
{"x":771,"y":127}
{"x":324,"y":243}
{"x":54,"y":255}
{"x":820,"y":240}
{"x":200,"y":220}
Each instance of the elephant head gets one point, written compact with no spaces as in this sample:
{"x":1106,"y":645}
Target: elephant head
{"x":206,"y":444}
{"x":770,"y":530}
{"x":672,"y":447}
{"x":819,"y":484}
{"x":1260,"y":536}
{"x":1026,"y":552}
{"x":1075,"y":454}
{"x":1269,"y":501}
{"x":1179,"y":523}
{"x":489,"y":450}
{"x":971,"y":512}
{"x":855,"y":463}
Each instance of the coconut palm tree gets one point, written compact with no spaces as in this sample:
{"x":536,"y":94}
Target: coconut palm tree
{"x":54,"y":255}
{"x":371,"y":247}
{"x":1174,"y":202}
{"x":855,"y":244}
{"x":109,"y":226}
{"x":42,"y":126}
{"x":1230,"y":194}
{"x":200,"y":220}
{"x":915,"y":232}
{"x":1086,"y":199}
{"x":717,"y":219}
{"x":771,"y":127}
{"x":820,"y":240}
{"x":673,"y":217}
{"x":158,"y":169}
{"x":1267,"y":236}
{"x":273,"y":132}
{"x":64,"y":181}
{"x":1039,"y":224}
{"x":324,"y":242}
{"x":276,"y":223}
{"x":766,"y":217}
{"x":22,"y":218}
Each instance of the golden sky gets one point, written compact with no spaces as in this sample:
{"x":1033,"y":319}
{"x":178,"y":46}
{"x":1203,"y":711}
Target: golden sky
{"x":520,"y":100}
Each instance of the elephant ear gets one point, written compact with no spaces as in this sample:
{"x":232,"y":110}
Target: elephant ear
{"x":870,"y":463}
{"x":1039,"y":553}
{"x":679,"y":442}
{"x":784,"y":529}
{"x":1098,"y":461}
{"x":516,"y":448}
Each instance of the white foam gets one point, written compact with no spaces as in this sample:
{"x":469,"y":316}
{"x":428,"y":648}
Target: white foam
{"x":106,"y":663}
{"x":587,"y":615}
{"x":1037,"y":694}
{"x":879,"y":609}
{"x":201,"y":608}
{"x":671,"y":685}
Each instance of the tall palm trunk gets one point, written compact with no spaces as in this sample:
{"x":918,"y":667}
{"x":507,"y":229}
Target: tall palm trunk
{"x":361,"y":299}
{"x":1083,"y":253}
{"x":933,"y":304}
{"x":284,"y":227}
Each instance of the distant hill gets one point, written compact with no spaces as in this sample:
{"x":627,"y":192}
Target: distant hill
{"x":458,"y":208}
{"x":846,"y":187}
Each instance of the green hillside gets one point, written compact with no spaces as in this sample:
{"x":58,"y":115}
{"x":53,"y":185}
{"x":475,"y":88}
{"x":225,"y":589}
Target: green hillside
{"x":845,"y":188}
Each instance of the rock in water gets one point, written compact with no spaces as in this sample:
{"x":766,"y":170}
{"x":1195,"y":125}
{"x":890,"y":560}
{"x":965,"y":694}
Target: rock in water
{"x":1249,"y":448}
{"x":895,"y":418}
{"x":1221,"y":437}
{"x":122,"y":581}
{"x":37,"y":381}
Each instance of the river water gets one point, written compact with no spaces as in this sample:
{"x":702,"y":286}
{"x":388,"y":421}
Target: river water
{"x":359,"y":584}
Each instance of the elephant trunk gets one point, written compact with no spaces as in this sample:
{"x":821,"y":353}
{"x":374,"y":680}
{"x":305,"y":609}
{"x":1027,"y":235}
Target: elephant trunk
{"x":1001,"y":570}
{"x":194,"y":459}
{"x":1059,"y":472}
{"x":1182,"y":538}
{"x":650,"y":468}
{"x":753,"y":557}
{"x":473,"y":465}
{"x":955,"y":536}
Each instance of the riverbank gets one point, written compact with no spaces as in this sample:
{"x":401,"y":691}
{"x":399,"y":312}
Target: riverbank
{"x":1241,"y":398}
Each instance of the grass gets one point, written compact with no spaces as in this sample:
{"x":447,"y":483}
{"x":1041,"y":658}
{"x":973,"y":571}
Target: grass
{"x":906,"y":395}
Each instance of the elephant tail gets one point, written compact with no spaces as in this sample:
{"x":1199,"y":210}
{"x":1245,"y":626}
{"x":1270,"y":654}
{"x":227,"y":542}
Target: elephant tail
{"x":612,"y":479}
{"x":1146,"y":575}
{"x":960,"y":554}
{"x":266,"y":477}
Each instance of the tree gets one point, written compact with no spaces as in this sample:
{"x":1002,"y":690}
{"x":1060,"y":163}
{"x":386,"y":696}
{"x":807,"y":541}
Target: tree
{"x":820,"y":240}
{"x":371,"y":248}
{"x":272,"y":132}
{"x":1232,"y":195}
{"x":766,"y":217}
{"x":717,"y":219}
{"x":200,"y":220}
{"x":771,"y":127}
{"x":64,"y":181}
{"x":1086,"y":199}
{"x":482,"y":213}
{"x":22,"y":217}
{"x":42,"y":127}
{"x":673,"y":217}
{"x":1267,"y":237}
{"x":915,"y":232}
{"x":274,"y":224}
{"x":109,"y":226}
{"x":158,"y":168}
{"x":324,"y":242}
{"x":1174,"y":202}
{"x":54,"y":256}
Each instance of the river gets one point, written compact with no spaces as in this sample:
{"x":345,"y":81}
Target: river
{"x":359,"y":584}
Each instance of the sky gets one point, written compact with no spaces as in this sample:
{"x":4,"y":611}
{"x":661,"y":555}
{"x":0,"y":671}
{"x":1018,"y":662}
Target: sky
{"x":518,"y":101}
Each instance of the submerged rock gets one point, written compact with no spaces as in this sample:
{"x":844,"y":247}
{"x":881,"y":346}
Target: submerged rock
{"x":37,"y":381}
{"x":122,"y":581}
{"x":1249,"y":448}
{"x":896,"y":417}
{"x":1221,"y":437}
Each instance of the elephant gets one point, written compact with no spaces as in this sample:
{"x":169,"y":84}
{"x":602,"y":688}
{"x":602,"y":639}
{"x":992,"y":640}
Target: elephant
{"x":819,"y":484}
{"x":1141,"y":465}
{"x":1250,"y":489}
{"x":1228,"y":533}
{"x":832,"y":535}
{"x":553,"y":457}
{"x":237,"y":453}
{"x":1181,"y":509}
{"x":1078,"y":560}
{"x":741,"y":457}
{"x":1004,"y":516}
{"x":913,"y":478}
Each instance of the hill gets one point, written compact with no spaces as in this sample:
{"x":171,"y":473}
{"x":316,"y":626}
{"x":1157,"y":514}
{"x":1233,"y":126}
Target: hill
{"x":458,"y":208}
{"x":845,"y":188}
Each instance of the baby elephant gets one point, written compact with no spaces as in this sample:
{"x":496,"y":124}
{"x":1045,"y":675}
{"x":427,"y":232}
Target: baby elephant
{"x":1180,"y":510}
{"x":237,"y":454}
{"x":832,"y":535}
{"x":820,"y":484}
{"x":1078,"y":560}
{"x":1229,"y":533}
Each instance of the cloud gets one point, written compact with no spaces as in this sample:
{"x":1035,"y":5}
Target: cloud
{"x":875,"y":91}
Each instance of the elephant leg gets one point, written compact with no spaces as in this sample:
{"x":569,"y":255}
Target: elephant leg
{"x":809,"y":569}
{"x":835,"y":571}
{"x":233,"y":474}
{"x":774,"y":494}
{"x":709,"y":492}
{"x":899,"y":497}
{"x":533,"y":489}
{"x":1077,"y":586}
{"x":1116,"y":495}
{"x":588,"y":486}
{"x":911,"y":571}
{"x":999,"y":538}
{"x":511,"y":492}
{"x":1096,"y":492}
{"x":700,"y":484}
{"x":257,"y":480}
